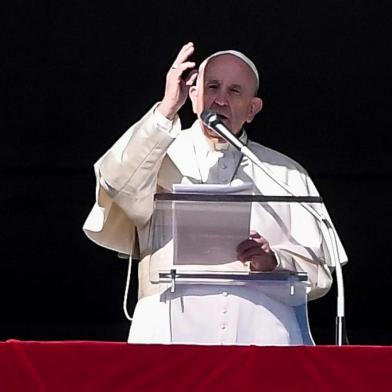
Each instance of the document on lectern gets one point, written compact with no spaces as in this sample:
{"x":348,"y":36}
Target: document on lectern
{"x":208,"y":233}
{"x":245,"y":188}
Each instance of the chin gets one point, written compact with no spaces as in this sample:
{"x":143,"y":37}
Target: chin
{"x":211,"y":135}
{"x":217,"y":140}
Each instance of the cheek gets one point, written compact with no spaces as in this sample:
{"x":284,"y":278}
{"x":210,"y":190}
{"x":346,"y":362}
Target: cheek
{"x":240,"y":115}
{"x":246,"y":112}
{"x":240,"y":111}
{"x":208,"y":99}
{"x":198,"y":103}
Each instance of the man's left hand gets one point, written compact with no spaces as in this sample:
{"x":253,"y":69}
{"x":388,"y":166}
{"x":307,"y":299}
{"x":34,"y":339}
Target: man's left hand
{"x":257,"y":251}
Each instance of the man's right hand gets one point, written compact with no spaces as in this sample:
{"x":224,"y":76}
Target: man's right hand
{"x":176,"y":89}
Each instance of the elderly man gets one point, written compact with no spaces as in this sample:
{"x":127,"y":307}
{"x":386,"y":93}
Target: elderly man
{"x":153,"y":155}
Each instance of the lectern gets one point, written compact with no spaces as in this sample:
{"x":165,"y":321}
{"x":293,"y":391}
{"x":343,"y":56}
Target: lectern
{"x":193,"y":240}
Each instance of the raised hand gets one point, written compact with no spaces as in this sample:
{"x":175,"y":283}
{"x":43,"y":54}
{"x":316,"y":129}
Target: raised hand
{"x":177,"y":88}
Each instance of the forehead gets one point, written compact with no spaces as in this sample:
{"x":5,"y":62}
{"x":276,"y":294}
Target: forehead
{"x":231,"y":69}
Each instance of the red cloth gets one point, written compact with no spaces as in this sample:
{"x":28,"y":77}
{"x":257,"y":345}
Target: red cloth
{"x":103,"y":366}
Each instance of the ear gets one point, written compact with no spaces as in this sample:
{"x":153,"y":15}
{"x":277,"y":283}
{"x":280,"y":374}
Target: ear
{"x":193,"y":95}
{"x":255,"y":106}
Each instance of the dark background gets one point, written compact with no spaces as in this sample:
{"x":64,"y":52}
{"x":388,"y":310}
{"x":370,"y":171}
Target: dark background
{"x":78,"y":73}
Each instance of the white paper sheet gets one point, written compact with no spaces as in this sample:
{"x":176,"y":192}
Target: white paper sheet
{"x":208,"y":233}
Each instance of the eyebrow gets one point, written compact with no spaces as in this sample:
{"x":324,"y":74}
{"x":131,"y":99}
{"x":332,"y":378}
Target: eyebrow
{"x":235,"y":85}
{"x":239,"y":86}
{"x":212,"y":81}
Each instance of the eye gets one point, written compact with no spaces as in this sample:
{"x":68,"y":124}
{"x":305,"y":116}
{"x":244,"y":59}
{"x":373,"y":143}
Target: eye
{"x":235,"y":91}
{"x":212,"y":86}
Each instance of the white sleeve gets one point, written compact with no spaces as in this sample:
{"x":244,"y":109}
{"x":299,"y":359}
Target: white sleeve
{"x":129,"y":170}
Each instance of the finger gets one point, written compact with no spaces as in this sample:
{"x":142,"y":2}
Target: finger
{"x":179,"y":71}
{"x":253,"y":245}
{"x":246,"y":245}
{"x":252,"y":253}
{"x":184,"y":53}
{"x":254,"y":234}
{"x":259,"y":239}
{"x":184,"y":66}
{"x":266,"y":247}
{"x":254,"y":237}
{"x":191,"y":77}
{"x":182,"y":73}
{"x":263,"y":243}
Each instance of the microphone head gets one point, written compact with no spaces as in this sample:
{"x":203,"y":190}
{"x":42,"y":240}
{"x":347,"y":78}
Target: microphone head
{"x":214,"y":122}
{"x":208,"y":116}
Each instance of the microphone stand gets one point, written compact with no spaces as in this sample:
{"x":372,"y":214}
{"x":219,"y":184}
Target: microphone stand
{"x":327,"y":230}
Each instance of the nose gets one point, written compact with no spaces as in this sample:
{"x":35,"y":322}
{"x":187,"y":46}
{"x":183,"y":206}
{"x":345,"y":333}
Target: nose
{"x":221,"y":98}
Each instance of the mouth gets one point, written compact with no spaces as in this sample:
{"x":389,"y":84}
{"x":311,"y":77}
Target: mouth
{"x":223,"y":117}
{"x":223,"y":113}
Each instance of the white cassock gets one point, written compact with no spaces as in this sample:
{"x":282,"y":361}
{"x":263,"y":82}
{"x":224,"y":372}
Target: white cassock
{"x":152,"y":156}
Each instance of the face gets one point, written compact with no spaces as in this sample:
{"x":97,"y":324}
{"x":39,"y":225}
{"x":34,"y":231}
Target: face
{"x":228,"y":88}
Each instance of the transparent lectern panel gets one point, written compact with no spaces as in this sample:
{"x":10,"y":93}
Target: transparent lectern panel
{"x":201,"y":232}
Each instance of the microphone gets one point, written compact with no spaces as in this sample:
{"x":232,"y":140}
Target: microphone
{"x":214,"y":122}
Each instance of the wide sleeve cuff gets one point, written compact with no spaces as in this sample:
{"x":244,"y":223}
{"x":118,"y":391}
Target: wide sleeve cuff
{"x":284,"y":262}
{"x":161,"y":122}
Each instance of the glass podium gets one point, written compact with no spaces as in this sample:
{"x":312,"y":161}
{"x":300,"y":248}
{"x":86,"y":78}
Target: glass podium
{"x":193,"y":240}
